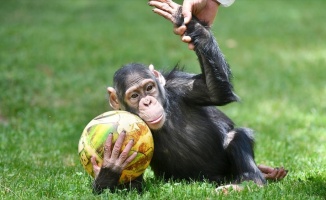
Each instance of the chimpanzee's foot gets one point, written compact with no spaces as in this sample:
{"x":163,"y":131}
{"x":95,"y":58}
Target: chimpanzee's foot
{"x":226,"y":188}
{"x":271,"y":173}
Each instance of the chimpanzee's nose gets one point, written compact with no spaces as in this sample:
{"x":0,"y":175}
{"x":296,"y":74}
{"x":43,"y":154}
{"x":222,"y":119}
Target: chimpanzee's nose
{"x":147,"y":102}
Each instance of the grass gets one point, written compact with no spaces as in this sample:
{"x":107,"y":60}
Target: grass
{"x":58,"y":57}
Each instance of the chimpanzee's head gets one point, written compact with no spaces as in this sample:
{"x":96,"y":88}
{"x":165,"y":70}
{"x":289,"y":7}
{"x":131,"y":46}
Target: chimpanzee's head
{"x":139,"y":90}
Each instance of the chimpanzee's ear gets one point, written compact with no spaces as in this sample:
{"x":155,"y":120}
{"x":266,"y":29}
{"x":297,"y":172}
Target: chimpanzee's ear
{"x":113,"y":99}
{"x":158,"y":75}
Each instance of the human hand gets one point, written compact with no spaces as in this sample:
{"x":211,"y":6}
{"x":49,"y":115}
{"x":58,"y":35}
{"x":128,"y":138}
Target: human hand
{"x":170,"y":11}
{"x":204,"y":10}
{"x":113,"y":159}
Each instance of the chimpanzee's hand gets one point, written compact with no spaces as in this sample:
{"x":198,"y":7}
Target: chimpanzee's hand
{"x":108,"y":175}
{"x":112,"y":159}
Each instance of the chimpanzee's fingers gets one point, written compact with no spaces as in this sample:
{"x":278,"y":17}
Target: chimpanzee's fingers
{"x":265,"y":169}
{"x":274,"y":175}
{"x":281,"y":173}
{"x":129,"y":159}
{"x":94,"y":163}
{"x":124,"y":154}
{"x":285,"y":173}
{"x":278,"y":174}
{"x":225,"y":189}
{"x":107,"y":149}
{"x":117,"y":146}
{"x":96,"y":168}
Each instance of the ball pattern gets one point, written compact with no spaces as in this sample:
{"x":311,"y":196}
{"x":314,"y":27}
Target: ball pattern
{"x":96,"y":132}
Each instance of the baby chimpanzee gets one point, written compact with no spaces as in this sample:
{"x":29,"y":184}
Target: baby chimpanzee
{"x":193,"y":139}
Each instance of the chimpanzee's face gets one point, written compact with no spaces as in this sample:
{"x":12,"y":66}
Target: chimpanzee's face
{"x":143,"y":98}
{"x":140,"y":90}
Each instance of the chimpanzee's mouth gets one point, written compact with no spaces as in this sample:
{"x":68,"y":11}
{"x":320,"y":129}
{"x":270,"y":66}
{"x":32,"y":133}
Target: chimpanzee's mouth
{"x":156,"y":120}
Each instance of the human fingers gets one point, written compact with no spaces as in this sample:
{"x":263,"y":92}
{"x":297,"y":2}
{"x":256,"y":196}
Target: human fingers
{"x":165,"y":8}
{"x":186,"y":39}
{"x":191,"y":46}
{"x":187,"y":10}
{"x":180,"y":30}
{"x":164,"y":14}
{"x":162,"y":5}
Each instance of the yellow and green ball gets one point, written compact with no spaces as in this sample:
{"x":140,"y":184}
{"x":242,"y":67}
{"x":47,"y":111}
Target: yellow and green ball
{"x":96,"y":132}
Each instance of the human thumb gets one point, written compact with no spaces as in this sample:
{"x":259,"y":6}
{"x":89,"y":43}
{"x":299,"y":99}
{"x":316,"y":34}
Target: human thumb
{"x":187,"y":17}
{"x":186,"y":11}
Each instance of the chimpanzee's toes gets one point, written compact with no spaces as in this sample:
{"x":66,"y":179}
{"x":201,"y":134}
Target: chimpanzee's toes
{"x":225,"y":189}
{"x":274,"y":174}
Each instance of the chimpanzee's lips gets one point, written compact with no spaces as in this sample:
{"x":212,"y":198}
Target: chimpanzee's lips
{"x":156,"y":120}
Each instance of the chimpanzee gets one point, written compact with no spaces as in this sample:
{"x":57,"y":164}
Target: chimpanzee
{"x":193,"y":139}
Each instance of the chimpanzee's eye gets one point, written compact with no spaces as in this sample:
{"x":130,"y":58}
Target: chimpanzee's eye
{"x":149,"y":88}
{"x":134,"y":96}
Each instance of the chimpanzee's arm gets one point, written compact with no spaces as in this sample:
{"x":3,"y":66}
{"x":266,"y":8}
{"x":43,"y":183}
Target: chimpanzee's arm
{"x":107,"y":179}
{"x":213,"y":86}
{"x":108,"y":175}
{"x":215,"y":70}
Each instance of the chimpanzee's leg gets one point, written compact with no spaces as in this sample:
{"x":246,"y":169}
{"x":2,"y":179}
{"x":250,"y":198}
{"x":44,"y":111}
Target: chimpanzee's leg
{"x":239,"y":145}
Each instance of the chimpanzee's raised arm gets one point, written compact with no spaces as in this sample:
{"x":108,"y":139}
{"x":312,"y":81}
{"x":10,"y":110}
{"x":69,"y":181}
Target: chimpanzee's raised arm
{"x":213,"y":86}
{"x":215,"y":69}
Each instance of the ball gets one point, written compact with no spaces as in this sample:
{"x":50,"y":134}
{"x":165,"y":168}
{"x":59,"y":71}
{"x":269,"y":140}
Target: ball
{"x":96,"y":132}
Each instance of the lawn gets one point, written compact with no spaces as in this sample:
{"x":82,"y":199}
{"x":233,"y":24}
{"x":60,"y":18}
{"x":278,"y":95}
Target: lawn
{"x":58,"y":57}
